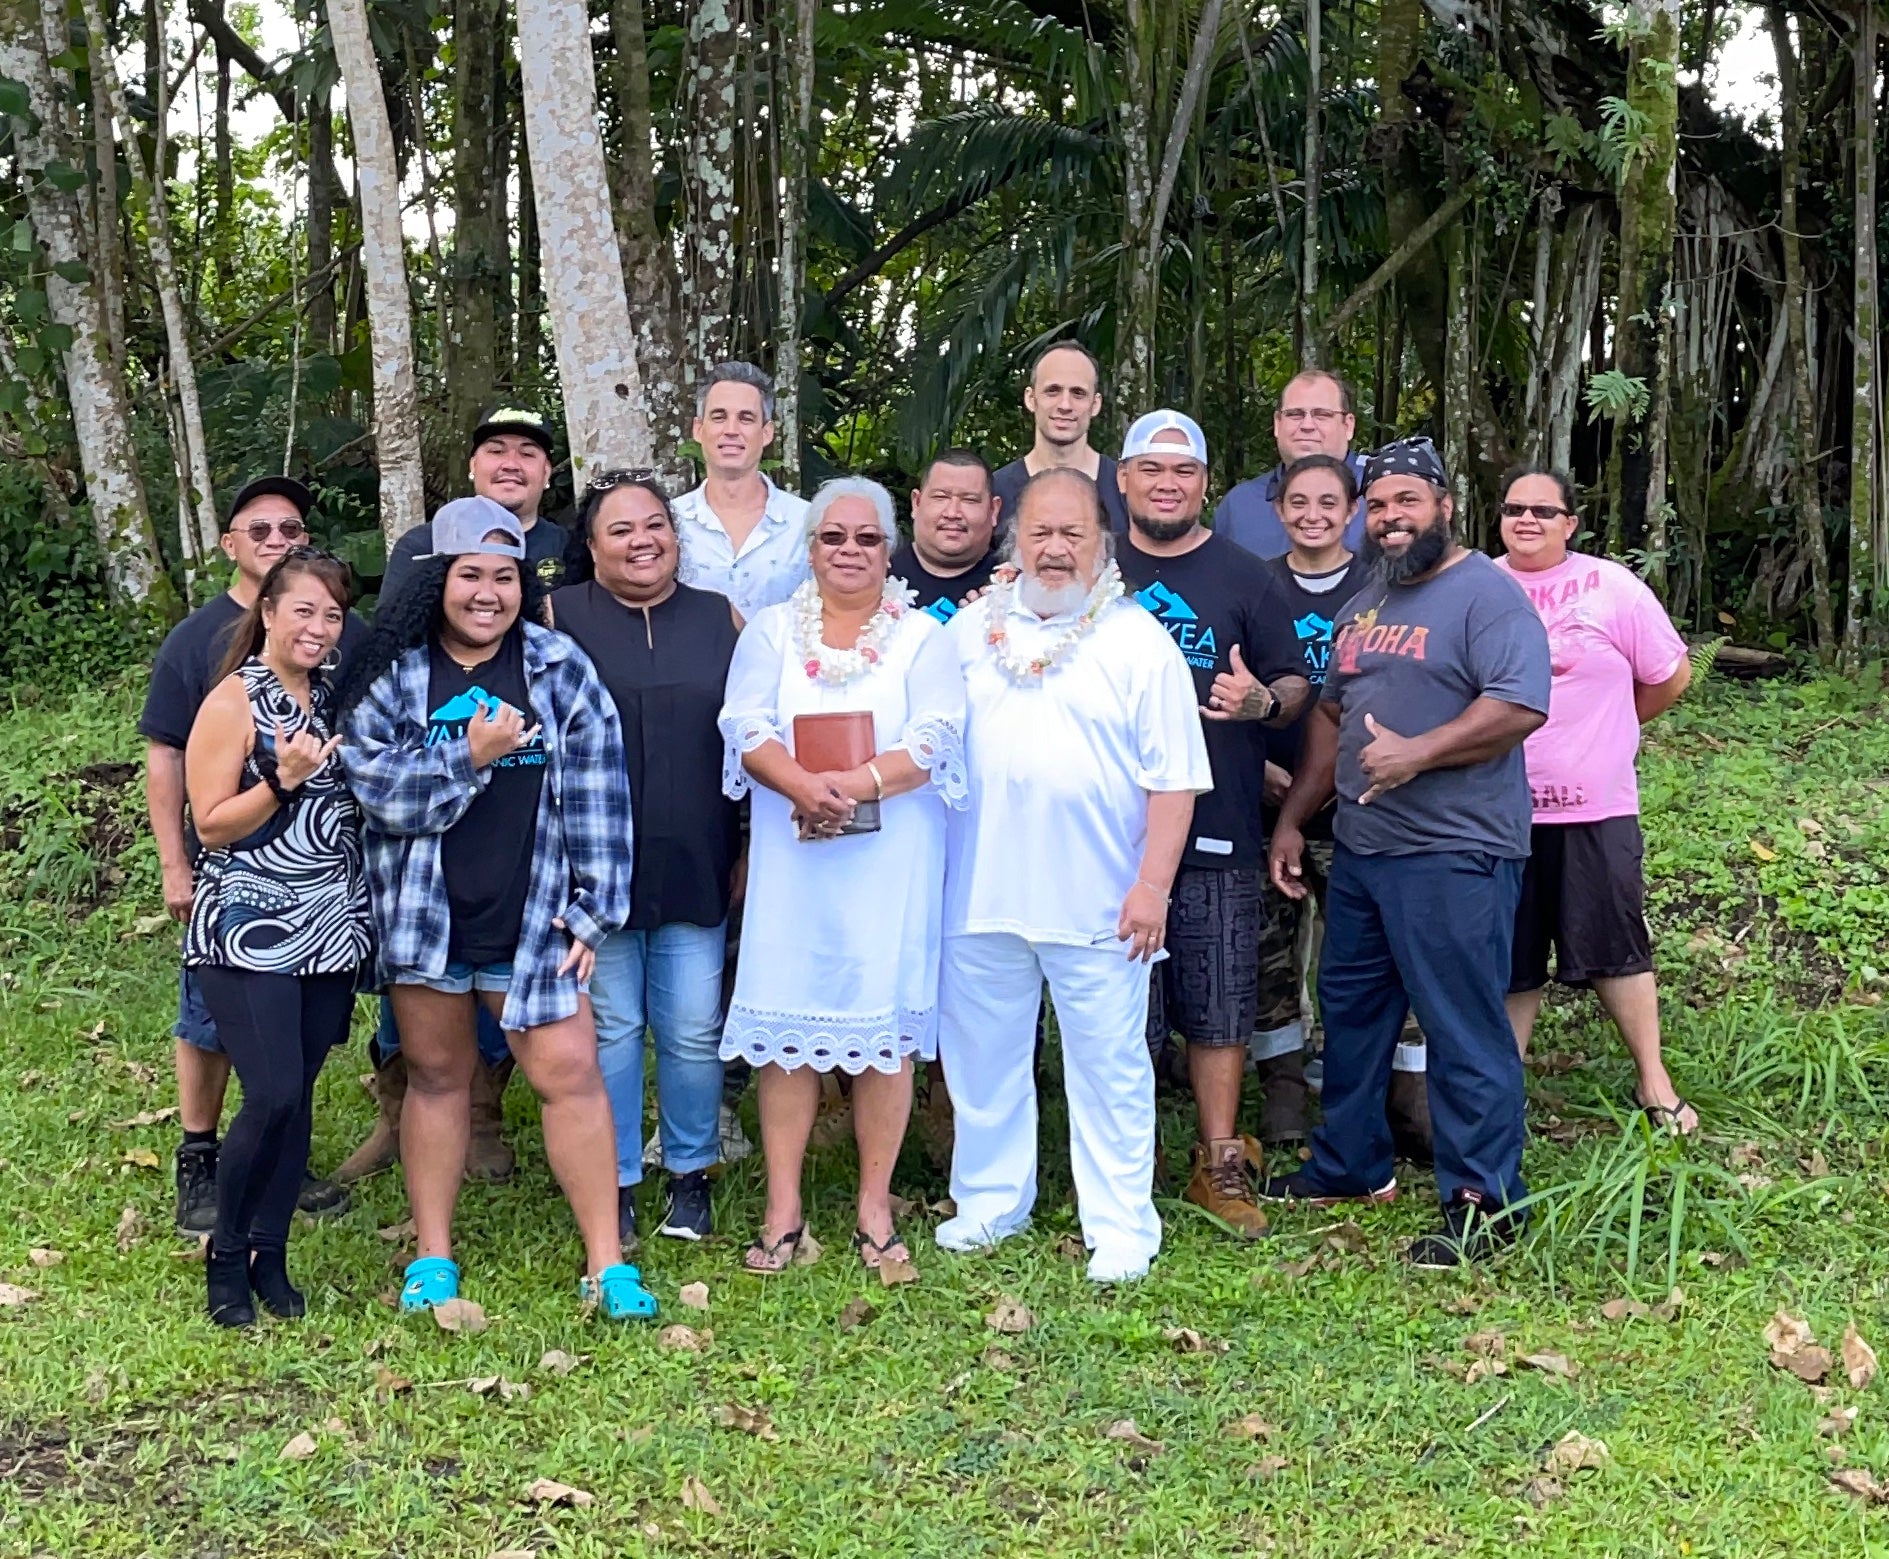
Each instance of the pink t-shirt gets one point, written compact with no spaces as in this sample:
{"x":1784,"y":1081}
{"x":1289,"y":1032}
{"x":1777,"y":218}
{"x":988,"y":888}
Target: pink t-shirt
{"x":1606,"y":631}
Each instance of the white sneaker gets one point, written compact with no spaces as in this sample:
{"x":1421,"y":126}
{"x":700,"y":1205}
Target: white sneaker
{"x":734,"y":1141}
{"x":1105,"y":1267}
{"x":963,"y":1236}
{"x":652,"y":1151}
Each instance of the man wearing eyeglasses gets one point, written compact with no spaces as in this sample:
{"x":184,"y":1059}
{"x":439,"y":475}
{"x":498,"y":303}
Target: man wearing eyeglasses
{"x":1314,"y":418}
{"x":267,"y":518}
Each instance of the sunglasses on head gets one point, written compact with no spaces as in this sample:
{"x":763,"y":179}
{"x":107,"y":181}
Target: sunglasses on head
{"x":1539,"y":511}
{"x":620,"y":476}
{"x":260,"y":531}
{"x":836,"y":538}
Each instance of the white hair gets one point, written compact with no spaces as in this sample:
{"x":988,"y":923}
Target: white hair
{"x":840,"y":487}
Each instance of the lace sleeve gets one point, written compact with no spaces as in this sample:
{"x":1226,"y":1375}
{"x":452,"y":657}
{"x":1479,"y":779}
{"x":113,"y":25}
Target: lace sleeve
{"x":742,"y":734}
{"x":937,"y":745}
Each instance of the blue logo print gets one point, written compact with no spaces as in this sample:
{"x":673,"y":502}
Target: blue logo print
{"x":1314,"y":633}
{"x":451,"y":719}
{"x":944,"y":609}
{"x":1165,"y":604}
{"x":1312,"y":626}
{"x":1183,"y":624}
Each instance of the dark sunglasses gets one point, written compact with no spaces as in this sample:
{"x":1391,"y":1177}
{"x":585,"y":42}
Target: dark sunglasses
{"x":620,"y":476}
{"x":1540,"y":511}
{"x":866,"y":540}
{"x":260,"y":531}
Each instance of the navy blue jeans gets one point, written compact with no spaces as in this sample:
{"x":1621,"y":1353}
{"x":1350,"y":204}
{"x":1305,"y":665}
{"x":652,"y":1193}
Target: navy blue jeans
{"x":1430,"y":934}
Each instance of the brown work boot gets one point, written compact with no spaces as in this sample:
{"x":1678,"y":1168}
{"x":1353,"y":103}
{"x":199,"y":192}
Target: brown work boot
{"x":381,"y":1150}
{"x":1407,"y":1112}
{"x":487,"y":1157}
{"x":1219,"y":1185}
{"x":1282,"y":1098}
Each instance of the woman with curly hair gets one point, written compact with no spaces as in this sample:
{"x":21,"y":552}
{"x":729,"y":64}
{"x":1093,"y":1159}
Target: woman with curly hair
{"x":488,"y":760}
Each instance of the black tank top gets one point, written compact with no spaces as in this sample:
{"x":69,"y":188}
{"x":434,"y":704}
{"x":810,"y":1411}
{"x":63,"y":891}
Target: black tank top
{"x":666,"y":667}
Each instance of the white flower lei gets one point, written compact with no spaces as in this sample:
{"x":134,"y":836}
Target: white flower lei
{"x":836,"y":668}
{"x":1019,"y":668}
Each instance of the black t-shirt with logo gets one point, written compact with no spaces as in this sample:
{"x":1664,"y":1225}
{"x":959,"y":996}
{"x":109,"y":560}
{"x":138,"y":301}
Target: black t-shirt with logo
{"x":486,"y":856}
{"x":1209,"y":600}
{"x":1312,"y":603}
{"x":937,"y":595}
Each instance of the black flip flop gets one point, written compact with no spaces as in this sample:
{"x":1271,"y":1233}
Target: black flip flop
{"x":789,"y":1242}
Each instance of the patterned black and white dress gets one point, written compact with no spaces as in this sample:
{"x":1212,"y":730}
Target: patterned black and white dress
{"x":291,"y":898}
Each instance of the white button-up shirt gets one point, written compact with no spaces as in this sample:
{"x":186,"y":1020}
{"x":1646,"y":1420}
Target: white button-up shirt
{"x":769,"y":564}
{"x":1061,"y":770}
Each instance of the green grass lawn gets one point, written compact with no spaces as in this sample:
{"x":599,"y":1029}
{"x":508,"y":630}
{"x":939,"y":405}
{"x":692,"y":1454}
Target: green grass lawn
{"x":1303,"y":1395}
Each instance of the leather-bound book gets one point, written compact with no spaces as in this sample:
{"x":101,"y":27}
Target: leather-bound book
{"x":832,"y":743}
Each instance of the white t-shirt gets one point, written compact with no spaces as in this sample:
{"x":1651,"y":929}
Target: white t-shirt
{"x":770,"y":564}
{"x":1060,"y":772}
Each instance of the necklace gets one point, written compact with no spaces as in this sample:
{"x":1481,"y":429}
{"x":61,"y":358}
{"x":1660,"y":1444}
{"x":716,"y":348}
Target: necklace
{"x":836,"y":668}
{"x":1107,"y":588}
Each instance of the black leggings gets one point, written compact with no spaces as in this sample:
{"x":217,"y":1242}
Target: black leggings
{"x":277,"y":1029}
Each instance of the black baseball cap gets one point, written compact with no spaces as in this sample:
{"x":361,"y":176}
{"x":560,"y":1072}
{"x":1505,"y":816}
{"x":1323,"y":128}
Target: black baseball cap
{"x":508,"y":417}
{"x":266,"y":486}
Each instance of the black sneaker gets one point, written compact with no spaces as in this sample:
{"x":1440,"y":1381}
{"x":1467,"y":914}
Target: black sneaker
{"x":686,"y":1215}
{"x":1469,"y":1234}
{"x":322,"y":1198}
{"x":196,"y":1189}
{"x":626,"y":1219}
{"x":1299,"y":1186}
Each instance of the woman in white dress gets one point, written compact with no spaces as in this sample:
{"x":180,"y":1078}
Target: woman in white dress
{"x":840,"y":938}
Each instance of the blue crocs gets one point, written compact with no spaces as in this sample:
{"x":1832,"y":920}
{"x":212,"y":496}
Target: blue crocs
{"x":618,"y":1291}
{"x":431,"y":1280}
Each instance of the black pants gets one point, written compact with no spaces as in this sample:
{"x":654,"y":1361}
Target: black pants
{"x":277,"y":1030}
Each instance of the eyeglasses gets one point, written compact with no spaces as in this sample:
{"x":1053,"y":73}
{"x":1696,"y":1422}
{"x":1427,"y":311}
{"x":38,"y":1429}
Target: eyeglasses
{"x":1539,"y":511}
{"x":620,"y":476}
{"x":1319,"y":414}
{"x":259,"y":531}
{"x":865,"y":540}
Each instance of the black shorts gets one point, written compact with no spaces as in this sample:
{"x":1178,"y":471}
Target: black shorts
{"x":1207,"y":988}
{"x":1584,"y":895}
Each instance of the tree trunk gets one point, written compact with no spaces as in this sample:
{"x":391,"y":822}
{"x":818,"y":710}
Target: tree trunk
{"x":528,"y":348}
{"x":1460,"y":332}
{"x":384,"y":268}
{"x":195,"y":460}
{"x":110,"y":270}
{"x":1422,"y":286}
{"x":1866,"y":558}
{"x":225,"y":171}
{"x":470,"y":355}
{"x":590,"y":314}
{"x":1648,"y":217}
{"x":711,"y":67}
{"x":1138,"y":293}
{"x":1307,"y":332}
{"x":101,"y":415}
{"x":795,"y":137}
{"x":321,"y":222}
{"x":1803,"y":472}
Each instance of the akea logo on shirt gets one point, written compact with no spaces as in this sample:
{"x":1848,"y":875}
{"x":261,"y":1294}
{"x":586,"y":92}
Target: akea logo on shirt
{"x":1314,"y":634}
{"x":1183,"y":624}
{"x":451,"y":719}
{"x":944,"y":609}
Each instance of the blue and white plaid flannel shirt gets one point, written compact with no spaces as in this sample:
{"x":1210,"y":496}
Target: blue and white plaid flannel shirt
{"x":411,"y":794}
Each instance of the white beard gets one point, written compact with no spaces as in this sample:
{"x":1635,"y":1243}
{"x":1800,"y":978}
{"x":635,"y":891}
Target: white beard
{"x":1052,"y":600}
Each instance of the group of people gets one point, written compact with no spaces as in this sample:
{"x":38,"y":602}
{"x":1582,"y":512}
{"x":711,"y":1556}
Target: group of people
{"x":748,"y":777}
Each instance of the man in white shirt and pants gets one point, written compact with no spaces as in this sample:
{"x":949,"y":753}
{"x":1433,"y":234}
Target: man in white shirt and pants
{"x":1085,"y":754}
{"x":740,"y":535}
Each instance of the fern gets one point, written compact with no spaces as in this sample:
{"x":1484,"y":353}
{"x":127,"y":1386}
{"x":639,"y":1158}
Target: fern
{"x":1702,"y":656}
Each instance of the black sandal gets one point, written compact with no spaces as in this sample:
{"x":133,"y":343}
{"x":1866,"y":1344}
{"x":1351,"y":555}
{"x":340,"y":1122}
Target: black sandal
{"x":1667,"y":1117}
{"x":864,"y":1243}
{"x":789,"y":1242}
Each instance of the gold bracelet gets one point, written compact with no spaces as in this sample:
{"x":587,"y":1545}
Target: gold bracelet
{"x":878,"y":780}
{"x":1165,"y":897}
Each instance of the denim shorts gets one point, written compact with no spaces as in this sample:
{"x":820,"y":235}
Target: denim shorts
{"x":195,"y":1027}
{"x":461,"y":979}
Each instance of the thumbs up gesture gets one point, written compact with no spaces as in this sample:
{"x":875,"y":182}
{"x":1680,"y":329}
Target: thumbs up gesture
{"x":1238,"y":694}
{"x":1388,"y":760}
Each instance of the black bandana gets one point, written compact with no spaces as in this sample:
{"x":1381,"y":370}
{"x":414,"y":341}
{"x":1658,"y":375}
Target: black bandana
{"x":1407,"y":457}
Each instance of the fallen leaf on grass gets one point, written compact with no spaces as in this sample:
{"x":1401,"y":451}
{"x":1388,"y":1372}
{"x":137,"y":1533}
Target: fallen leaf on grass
{"x":808,"y":1251}
{"x":693,"y":1296}
{"x":1814,"y":1164}
{"x":944,"y":1207}
{"x":684,"y":1339}
{"x":1483,"y":1369}
{"x":1267,"y":1468}
{"x":893,"y":1272}
{"x":1859,"y":1359}
{"x":1762,"y":851}
{"x":1542,"y":1491}
{"x":1252,"y":1427}
{"x":514,"y":1553}
{"x":1794,"y":1348}
{"x":695,"y":1496}
{"x":1347,"y":1239}
{"x":1010,"y":1318}
{"x":1839,"y":1423}
{"x":147,"y":1118}
{"x":1668,"y":1308}
{"x":44,"y":1258}
{"x":1186,"y":1340}
{"x":130,"y":1228}
{"x":388,"y":1384}
{"x":140,"y":1158}
{"x":197,"y":1250}
{"x":1070,"y":1248}
{"x":855,"y":1314}
{"x":508,"y":1390}
{"x":749,"y":1420}
{"x":12,"y":1296}
{"x":1489,"y":1344}
{"x":548,"y":1491}
{"x":1747,"y":1155}
{"x":1551,"y":1364}
{"x":901,"y":1209}
{"x":299,"y":1449}
{"x":1124,"y":1429}
{"x":398,"y":1233}
{"x":459,"y":1315}
{"x":1575,"y":1451}
{"x":1861,"y":1483}
{"x":996,"y":1359}
{"x":558,"y":1362}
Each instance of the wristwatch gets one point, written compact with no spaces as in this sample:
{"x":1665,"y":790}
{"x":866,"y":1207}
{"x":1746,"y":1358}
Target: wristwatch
{"x":1272,"y":708}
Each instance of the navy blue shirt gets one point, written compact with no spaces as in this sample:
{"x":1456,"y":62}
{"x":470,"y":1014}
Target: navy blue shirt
{"x":1249,"y":514}
{"x":1008,"y":484}
{"x":936,"y":594}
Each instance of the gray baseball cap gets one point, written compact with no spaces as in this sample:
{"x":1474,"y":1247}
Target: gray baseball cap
{"x":464,"y":525}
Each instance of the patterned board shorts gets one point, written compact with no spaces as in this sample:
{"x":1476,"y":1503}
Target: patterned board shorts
{"x":1279,"y":971}
{"x":1207,"y":988}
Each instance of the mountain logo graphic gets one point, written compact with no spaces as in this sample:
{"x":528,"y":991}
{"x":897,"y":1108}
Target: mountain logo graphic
{"x":465,"y":708}
{"x":1165,"y":604}
{"x":1312,"y":626}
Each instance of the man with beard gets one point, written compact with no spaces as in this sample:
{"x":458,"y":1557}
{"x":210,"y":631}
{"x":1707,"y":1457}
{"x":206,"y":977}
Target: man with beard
{"x":1438,"y":671}
{"x":954,"y":528}
{"x":1084,"y":756}
{"x":1063,"y":397}
{"x":1314,"y":417}
{"x":1227,"y":616}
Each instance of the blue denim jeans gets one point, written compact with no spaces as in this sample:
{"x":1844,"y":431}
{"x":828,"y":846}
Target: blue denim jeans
{"x":666,"y":981}
{"x":492,"y":1046}
{"x":195,"y":1027}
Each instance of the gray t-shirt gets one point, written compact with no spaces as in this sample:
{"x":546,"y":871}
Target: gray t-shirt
{"x":1415,"y":657}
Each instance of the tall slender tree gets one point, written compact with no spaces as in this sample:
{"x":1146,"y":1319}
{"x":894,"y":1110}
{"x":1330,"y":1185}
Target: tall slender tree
{"x":795,"y":132}
{"x":1866,"y":540}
